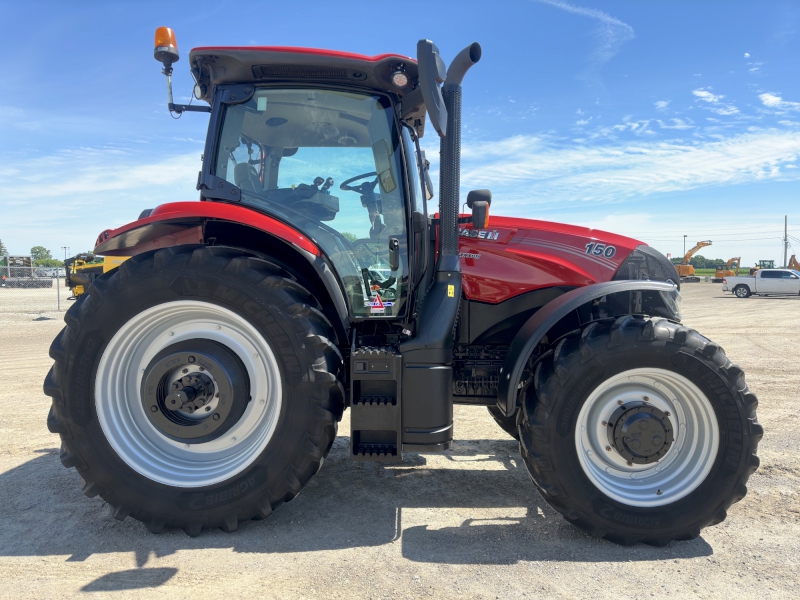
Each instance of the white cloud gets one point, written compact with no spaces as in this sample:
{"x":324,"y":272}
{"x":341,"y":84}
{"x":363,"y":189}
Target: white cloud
{"x":539,"y":171}
{"x":704,"y":94}
{"x":676,"y":124}
{"x":612,"y":34}
{"x":718,"y":108}
{"x":662,"y":104}
{"x":747,"y":55}
{"x":780,"y":105}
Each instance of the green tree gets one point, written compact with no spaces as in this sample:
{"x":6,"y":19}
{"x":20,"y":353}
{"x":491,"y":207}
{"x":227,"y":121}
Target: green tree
{"x":350,"y":237}
{"x":40,"y":253}
{"x":42,"y":257}
{"x":48,"y":262}
{"x":3,"y":249}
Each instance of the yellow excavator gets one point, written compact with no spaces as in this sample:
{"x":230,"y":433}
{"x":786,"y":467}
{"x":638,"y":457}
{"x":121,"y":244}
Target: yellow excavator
{"x":793,"y":264}
{"x":731,"y":269}
{"x":83,"y":269}
{"x":685,"y":269}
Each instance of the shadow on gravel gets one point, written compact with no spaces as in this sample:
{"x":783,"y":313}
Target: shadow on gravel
{"x":346,"y":505}
{"x":132,"y":579}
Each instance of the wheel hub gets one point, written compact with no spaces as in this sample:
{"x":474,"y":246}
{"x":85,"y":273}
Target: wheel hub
{"x":641,"y":434}
{"x":191,"y":393}
{"x":195,"y":390}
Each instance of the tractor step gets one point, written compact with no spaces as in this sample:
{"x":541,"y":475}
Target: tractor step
{"x":375,"y":411}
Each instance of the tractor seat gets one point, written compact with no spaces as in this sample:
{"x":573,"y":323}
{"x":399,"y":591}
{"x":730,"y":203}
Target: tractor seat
{"x":245,"y":177}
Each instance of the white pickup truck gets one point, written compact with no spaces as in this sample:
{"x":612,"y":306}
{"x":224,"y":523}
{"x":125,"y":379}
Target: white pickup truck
{"x":764,"y":282}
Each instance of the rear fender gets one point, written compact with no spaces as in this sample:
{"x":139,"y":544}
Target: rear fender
{"x":548,"y":317}
{"x":220,"y":224}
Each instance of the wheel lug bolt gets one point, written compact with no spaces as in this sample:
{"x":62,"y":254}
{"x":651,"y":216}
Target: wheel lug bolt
{"x":208,"y":408}
{"x":669,"y":414}
{"x":658,"y":493}
{"x":619,"y":402}
{"x":647,"y":398}
{"x":608,"y":448}
{"x":184,"y":371}
{"x":153,"y":408}
{"x":605,"y":423}
{"x":191,"y":359}
{"x":630,"y":464}
{"x":216,"y":417}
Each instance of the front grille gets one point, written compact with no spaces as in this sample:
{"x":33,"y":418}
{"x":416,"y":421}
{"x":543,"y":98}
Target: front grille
{"x":298,"y":72}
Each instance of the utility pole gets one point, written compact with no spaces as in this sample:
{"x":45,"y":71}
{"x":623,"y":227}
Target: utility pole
{"x":684,"y":245}
{"x":65,"y":248}
{"x":785,"y":240}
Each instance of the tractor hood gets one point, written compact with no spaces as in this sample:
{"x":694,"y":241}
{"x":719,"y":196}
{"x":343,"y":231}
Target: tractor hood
{"x":514,"y":256}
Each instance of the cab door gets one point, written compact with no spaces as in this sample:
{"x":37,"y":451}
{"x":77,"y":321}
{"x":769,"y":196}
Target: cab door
{"x":789,"y":283}
{"x":768,"y":282}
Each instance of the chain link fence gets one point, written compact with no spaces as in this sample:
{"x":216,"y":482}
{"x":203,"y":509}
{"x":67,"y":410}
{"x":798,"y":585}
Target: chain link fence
{"x":27,"y":289}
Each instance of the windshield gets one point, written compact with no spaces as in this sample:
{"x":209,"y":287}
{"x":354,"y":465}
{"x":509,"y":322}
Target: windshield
{"x":329,"y":163}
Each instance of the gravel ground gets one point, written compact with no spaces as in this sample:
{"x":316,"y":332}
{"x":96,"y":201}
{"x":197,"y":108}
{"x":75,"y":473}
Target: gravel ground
{"x":467,"y":523}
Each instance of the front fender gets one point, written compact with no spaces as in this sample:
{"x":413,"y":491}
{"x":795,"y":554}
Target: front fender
{"x":544,"y":319}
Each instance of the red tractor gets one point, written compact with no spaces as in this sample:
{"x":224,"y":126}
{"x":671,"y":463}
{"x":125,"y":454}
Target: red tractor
{"x":200,"y":383}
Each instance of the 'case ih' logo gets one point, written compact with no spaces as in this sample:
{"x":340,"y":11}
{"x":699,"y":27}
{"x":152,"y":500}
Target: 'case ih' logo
{"x":481,"y":234}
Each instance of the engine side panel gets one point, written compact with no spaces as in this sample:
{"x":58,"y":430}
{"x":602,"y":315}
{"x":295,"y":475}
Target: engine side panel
{"x":515,"y":256}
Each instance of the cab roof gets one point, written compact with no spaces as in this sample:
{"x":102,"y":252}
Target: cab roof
{"x":212,"y":66}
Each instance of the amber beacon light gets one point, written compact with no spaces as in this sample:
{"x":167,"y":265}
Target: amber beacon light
{"x":166,"y":52}
{"x":166,"y":47}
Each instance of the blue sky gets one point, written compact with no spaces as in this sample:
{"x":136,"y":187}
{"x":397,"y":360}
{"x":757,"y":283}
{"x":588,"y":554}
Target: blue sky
{"x":652,"y":119}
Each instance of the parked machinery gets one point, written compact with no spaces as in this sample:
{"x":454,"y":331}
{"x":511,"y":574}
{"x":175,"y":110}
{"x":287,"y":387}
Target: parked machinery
{"x":730,"y":269}
{"x":762,"y":264}
{"x":82,"y":270}
{"x":793,"y":264}
{"x":685,"y":269}
{"x":201,"y":382}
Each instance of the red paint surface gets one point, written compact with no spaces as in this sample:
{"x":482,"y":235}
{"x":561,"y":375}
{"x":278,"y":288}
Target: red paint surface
{"x":296,"y":50}
{"x":223,"y":212}
{"x":530,"y":255}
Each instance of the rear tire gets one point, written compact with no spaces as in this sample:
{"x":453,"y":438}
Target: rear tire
{"x":274,"y":350}
{"x":601,"y":378}
{"x":742,"y":291}
{"x":507,"y":424}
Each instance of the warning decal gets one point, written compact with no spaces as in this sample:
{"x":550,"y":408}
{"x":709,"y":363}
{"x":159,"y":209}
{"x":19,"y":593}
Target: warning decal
{"x":378,"y":306}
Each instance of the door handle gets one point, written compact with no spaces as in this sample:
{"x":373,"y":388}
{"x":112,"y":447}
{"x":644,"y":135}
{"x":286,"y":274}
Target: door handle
{"x":394,"y":254}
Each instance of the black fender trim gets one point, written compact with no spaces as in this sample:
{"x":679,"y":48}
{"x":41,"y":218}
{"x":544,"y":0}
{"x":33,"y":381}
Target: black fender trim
{"x":544,"y":319}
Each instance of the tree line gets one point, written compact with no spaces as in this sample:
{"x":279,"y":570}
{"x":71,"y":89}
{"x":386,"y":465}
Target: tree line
{"x":698,"y":261}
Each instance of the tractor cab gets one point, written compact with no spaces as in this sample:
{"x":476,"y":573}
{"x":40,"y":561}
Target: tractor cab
{"x":331,"y":164}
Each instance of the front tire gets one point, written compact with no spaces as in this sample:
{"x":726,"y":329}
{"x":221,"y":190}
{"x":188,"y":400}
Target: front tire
{"x":640,"y":429}
{"x":195,"y":387}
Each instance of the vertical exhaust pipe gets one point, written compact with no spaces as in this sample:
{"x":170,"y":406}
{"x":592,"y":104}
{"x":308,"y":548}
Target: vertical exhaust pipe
{"x":450,"y":158}
{"x":427,"y":384}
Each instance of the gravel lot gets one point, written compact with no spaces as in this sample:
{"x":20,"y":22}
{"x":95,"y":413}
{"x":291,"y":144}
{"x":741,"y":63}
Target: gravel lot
{"x":467,"y":523}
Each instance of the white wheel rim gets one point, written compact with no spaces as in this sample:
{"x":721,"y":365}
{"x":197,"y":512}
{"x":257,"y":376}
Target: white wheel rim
{"x":132,"y":434}
{"x":686,"y":463}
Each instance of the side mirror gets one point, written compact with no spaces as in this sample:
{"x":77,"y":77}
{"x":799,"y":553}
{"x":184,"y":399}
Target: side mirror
{"x":479,"y":201}
{"x":166,"y":48}
{"x":432,"y":72}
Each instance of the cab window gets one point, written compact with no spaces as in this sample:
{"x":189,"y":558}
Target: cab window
{"x":327,"y":162}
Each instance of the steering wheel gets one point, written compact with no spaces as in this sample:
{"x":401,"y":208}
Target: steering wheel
{"x":364,"y":188}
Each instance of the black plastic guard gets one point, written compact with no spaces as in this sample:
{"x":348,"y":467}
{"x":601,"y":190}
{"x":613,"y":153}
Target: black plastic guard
{"x":544,"y":319}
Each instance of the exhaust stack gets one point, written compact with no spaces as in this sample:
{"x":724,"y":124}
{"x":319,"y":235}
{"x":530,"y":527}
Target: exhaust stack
{"x":450,"y":158}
